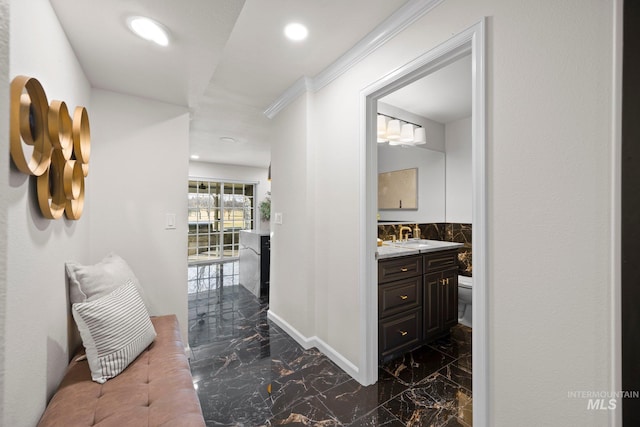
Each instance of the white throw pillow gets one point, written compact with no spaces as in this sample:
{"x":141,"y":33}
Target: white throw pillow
{"x":90,"y":282}
{"x":115,"y":329}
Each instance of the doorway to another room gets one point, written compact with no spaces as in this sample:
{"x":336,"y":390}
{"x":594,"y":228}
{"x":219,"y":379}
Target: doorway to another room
{"x":468,"y":43}
{"x":217,"y":212}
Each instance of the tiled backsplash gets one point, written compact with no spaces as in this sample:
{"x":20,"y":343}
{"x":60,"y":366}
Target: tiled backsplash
{"x":449,"y":232}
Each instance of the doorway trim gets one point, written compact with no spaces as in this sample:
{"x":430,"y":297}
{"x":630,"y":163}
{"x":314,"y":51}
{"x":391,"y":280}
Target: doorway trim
{"x":470,"y":41}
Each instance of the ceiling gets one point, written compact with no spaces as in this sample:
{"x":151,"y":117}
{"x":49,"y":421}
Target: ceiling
{"x":113,"y":58}
{"x":443,"y":96}
{"x":227,"y":61}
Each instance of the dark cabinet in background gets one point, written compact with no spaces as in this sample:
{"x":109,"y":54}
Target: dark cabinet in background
{"x":265,"y":264}
{"x":417,"y":301}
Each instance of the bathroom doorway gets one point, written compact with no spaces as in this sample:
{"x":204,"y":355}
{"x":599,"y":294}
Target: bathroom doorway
{"x":468,"y":43}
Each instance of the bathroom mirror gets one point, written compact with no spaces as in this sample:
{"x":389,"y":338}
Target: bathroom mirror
{"x":429,"y":187}
{"x":398,"y":189}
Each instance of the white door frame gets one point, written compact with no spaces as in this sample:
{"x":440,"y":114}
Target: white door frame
{"x":471,"y":41}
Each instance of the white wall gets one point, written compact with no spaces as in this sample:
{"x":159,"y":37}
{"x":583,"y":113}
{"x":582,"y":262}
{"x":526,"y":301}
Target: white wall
{"x":139,"y":169}
{"x":291,"y":296}
{"x":220,"y":172}
{"x":4,"y":183}
{"x":549,"y":200}
{"x":37,"y":319}
{"x":459,"y":176}
{"x":431,"y":181}
{"x":138,"y":174}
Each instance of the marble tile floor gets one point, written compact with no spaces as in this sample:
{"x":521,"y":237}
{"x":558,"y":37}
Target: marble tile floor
{"x":249,"y":372}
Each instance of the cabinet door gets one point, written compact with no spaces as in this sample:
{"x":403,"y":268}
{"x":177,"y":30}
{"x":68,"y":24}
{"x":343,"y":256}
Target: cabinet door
{"x":400,"y":333}
{"x":449,"y":298}
{"x":399,"y":296}
{"x":431,"y":307}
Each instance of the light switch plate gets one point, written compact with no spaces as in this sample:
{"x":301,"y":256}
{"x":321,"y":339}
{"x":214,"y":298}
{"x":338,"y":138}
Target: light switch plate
{"x":170,"y":222}
{"x":277,"y":217}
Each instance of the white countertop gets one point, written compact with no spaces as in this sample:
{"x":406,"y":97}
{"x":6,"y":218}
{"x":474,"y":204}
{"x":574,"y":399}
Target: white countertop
{"x":413,"y":247}
{"x":259,"y":233}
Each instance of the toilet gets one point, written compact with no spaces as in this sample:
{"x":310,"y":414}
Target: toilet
{"x":465,"y":284}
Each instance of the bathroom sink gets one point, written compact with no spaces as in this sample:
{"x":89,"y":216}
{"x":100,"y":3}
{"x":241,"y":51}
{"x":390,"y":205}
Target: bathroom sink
{"x":415,"y":245}
{"x":424,"y":244}
{"x":414,"y":242}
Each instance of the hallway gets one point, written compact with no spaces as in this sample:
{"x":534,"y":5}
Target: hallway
{"x":249,"y":372}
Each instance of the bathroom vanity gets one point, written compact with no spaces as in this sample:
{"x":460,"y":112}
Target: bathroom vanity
{"x":417,"y":294}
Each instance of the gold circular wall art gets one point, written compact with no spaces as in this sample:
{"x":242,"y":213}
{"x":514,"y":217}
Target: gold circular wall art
{"x":45,"y":141}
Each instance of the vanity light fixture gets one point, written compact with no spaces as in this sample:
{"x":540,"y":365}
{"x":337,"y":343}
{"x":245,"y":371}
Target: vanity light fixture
{"x":393,"y":130}
{"x":399,"y":132}
{"x":419,"y":136}
{"x":406,"y":135}
{"x":195,"y":157}
{"x":296,"y":31}
{"x":149,"y":29}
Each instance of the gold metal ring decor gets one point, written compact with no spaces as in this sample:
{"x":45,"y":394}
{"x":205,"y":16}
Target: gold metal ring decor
{"x":47,"y":142}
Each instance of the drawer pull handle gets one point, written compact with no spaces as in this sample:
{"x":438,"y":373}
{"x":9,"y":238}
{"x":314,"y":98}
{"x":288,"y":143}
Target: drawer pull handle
{"x":403,"y":297}
{"x":403,"y":333}
{"x":404,"y":269}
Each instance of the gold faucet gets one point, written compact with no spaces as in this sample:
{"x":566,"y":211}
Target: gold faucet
{"x":406,"y":236}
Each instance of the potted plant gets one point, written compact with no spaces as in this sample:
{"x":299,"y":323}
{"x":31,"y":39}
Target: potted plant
{"x":265,"y":208}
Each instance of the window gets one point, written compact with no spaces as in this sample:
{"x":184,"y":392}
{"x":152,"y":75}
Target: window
{"x":217,"y":213}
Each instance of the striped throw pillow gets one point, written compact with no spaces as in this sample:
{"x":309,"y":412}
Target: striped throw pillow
{"x":114,"y":329}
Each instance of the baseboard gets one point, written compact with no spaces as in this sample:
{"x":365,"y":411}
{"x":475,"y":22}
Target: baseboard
{"x":314,"y":341}
{"x":305,"y":342}
{"x":337,"y":358}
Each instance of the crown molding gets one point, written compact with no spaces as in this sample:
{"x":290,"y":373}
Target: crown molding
{"x":382,"y":33}
{"x":302,"y":85}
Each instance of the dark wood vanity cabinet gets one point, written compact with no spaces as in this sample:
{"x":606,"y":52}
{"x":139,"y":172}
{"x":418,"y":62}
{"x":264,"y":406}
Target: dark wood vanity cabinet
{"x":440,"y":303}
{"x":417,"y":300}
{"x":399,"y":305}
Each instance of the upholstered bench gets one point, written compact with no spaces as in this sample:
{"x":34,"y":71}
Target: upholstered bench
{"x":156,"y":389}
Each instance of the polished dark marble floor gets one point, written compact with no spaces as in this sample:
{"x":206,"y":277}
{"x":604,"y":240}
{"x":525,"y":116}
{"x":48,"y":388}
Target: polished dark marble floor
{"x":249,"y":372}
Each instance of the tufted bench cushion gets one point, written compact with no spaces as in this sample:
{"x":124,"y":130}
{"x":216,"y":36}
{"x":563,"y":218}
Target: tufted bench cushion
{"x":155,"y":390}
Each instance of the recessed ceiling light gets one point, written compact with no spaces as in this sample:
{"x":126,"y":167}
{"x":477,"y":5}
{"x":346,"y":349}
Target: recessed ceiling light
{"x":296,"y":31}
{"x":149,"y":29}
{"x":195,"y":156}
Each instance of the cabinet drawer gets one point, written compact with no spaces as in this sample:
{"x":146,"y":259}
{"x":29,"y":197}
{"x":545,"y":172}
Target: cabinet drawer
{"x":400,"y":333}
{"x":440,"y":260}
{"x":398,"y":296}
{"x":399,"y":268}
